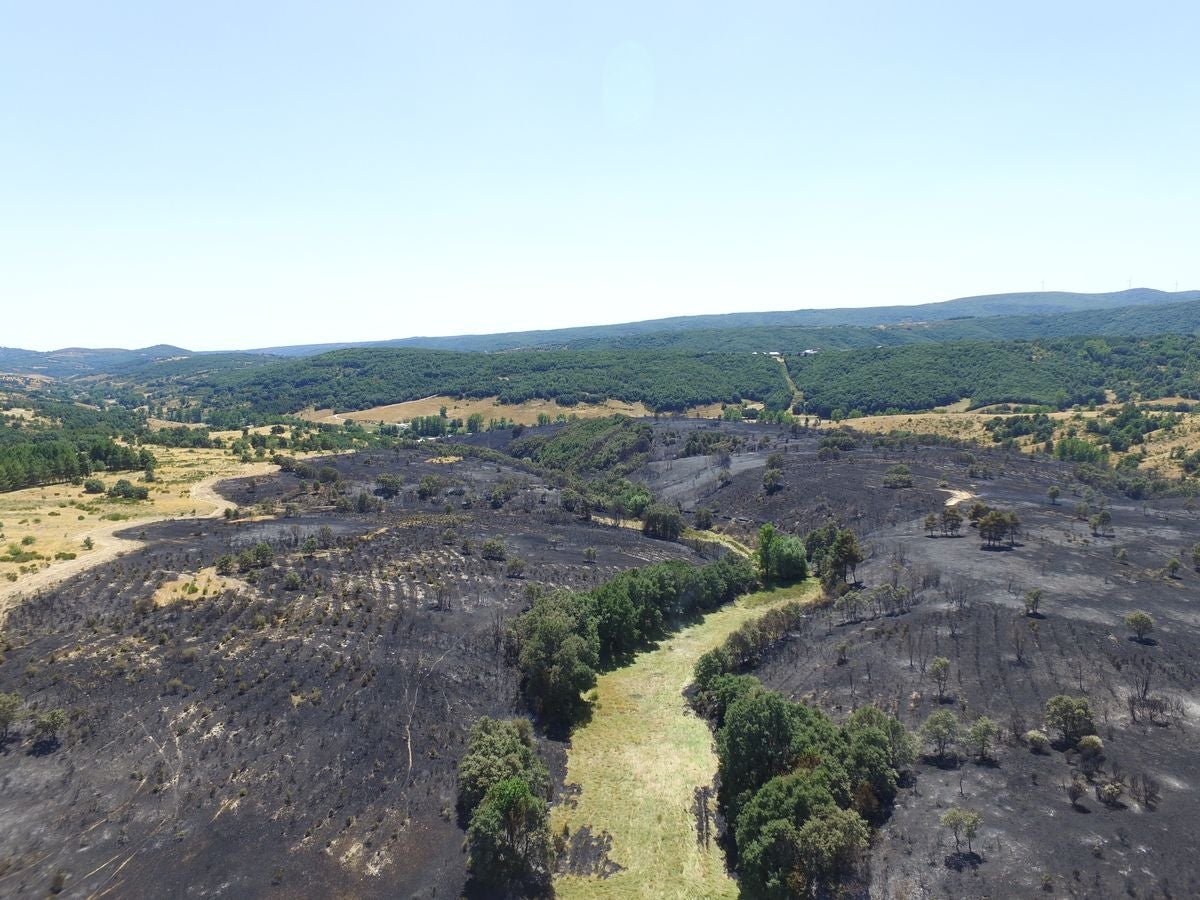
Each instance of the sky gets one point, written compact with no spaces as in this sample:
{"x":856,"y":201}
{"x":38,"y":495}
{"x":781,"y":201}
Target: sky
{"x":241,"y":174}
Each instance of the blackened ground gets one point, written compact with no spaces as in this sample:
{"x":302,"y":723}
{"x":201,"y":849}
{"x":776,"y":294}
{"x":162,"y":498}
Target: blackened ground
{"x":276,"y":742}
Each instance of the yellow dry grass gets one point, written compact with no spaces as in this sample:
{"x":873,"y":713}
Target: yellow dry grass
{"x":639,"y":760}
{"x":489,"y":407}
{"x":193,"y":586}
{"x":60,"y":517}
{"x":970,"y":425}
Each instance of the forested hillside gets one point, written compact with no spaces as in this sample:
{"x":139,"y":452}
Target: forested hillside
{"x":1125,"y":321}
{"x":851,"y":326}
{"x":1057,"y":372}
{"x":360,"y":379}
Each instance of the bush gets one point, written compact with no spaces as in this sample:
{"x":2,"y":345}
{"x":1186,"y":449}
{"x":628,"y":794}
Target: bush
{"x":493,"y":548}
{"x":93,"y":486}
{"x":1037,"y":741}
{"x":126,"y":490}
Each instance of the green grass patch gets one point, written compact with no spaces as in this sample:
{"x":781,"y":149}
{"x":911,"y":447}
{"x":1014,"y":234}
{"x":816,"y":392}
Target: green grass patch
{"x":640,"y":758}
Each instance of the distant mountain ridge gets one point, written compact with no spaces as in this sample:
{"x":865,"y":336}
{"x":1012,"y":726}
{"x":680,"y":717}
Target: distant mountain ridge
{"x":1139,"y":311}
{"x":988,"y":305}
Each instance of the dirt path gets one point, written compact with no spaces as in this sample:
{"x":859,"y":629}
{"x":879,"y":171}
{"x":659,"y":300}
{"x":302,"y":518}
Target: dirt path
{"x":797,"y":397}
{"x":107,"y":546}
{"x":957,"y":496}
{"x":639,"y":762}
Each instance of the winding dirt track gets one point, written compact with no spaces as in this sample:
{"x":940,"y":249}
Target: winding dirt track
{"x":108,"y":546}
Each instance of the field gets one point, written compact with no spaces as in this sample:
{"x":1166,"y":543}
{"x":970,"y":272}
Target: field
{"x":525,"y":413}
{"x":59,"y":518}
{"x":958,"y":423}
{"x":640,"y":772}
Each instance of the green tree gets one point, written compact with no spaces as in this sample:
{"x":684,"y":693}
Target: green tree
{"x":388,"y":486}
{"x":939,"y":671}
{"x":663,"y":522}
{"x":952,"y":521}
{"x":1033,"y":600}
{"x":981,"y":735}
{"x":498,"y":749}
{"x":772,"y":481}
{"x":963,"y":822}
{"x":931,"y":524}
{"x":766,"y":537}
{"x":558,"y":655}
{"x":508,"y":840}
{"x":47,"y":725}
{"x":755,"y":744}
{"x":493,"y":548}
{"x":845,"y":554}
{"x":940,"y":731}
{"x":1141,"y":623}
{"x":830,"y":841}
{"x":1070,"y":716}
{"x":1052,"y":494}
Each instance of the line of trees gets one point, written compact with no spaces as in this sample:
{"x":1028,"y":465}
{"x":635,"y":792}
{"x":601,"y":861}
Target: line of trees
{"x":503,"y":792}
{"x":563,"y":640}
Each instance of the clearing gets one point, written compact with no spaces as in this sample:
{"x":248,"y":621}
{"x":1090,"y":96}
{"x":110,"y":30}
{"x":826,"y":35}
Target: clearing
{"x":639,"y":767}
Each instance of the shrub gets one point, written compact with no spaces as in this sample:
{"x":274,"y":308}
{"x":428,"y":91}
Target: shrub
{"x":1110,"y":792}
{"x":493,"y":548}
{"x":93,"y":486}
{"x":1037,"y":741}
{"x":126,"y":490}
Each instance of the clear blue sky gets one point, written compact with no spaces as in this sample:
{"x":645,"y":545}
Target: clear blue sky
{"x":234,"y":174}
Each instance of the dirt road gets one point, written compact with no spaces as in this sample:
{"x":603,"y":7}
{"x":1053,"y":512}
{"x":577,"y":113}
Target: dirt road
{"x":107,"y":546}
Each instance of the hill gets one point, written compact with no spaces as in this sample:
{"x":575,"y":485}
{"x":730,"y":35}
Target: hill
{"x":627,"y":334}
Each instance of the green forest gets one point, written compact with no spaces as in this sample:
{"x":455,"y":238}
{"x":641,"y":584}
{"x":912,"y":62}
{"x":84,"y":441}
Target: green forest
{"x":360,"y":379}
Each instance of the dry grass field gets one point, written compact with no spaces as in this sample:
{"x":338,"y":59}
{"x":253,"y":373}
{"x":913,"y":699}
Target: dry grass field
{"x":956,"y":422}
{"x":489,"y":407}
{"x":634,"y":770}
{"x":54,"y":521}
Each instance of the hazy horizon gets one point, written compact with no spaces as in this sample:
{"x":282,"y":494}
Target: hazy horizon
{"x":241,"y":175}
